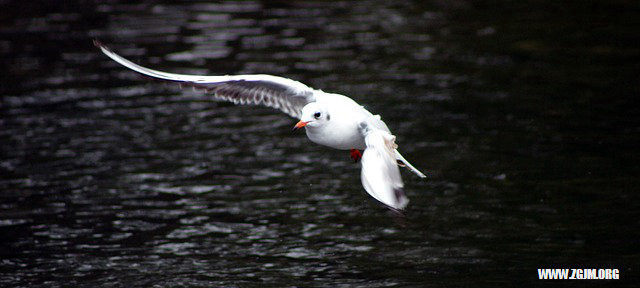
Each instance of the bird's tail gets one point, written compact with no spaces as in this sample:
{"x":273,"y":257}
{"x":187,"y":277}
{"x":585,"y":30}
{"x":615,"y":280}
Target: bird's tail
{"x":408,"y":165}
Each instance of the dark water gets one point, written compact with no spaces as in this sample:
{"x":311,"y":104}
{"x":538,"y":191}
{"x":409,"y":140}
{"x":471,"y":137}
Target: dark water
{"x":521,"y":112}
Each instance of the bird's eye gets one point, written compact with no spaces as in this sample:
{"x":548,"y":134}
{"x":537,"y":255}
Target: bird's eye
{"x":317,"y":115}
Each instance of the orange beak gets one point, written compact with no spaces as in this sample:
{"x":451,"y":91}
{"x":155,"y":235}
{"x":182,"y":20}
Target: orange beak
{"x":300,"y":125}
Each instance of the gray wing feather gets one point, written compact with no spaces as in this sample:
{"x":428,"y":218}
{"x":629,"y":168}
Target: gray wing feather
{"x":284,"y":94}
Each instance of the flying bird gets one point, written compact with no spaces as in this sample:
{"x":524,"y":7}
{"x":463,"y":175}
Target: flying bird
{"x":329,"y":119}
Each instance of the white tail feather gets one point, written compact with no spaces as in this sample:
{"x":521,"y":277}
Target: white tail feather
{"x":408,"y":165}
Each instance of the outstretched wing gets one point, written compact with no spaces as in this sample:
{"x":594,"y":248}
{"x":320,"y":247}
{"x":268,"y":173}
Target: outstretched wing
{"x":380,"y":174}
{"x":272,"y":91}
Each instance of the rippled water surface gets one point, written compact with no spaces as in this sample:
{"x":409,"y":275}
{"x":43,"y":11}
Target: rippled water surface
{"x":521,"y":112}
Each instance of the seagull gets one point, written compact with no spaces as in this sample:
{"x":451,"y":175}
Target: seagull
{"x":329,"y":119}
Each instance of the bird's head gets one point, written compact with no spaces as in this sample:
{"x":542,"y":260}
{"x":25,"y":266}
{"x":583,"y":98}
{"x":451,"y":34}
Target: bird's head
{"x":314,"y":115}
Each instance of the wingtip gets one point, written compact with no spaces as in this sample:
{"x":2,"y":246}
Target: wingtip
{"x":100,"y":45}
{"x":401,"y":199}
{"x":97,"y":43}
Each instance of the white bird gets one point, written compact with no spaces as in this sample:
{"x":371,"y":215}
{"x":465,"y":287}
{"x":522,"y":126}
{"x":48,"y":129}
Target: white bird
{"x":329,"y":119}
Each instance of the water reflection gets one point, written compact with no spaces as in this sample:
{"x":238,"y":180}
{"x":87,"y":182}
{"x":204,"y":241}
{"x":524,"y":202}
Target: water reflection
{"x":109,"y":179}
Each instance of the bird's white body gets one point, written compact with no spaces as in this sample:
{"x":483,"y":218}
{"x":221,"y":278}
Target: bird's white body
{"x":341,"y":132}
{"x":329,"y":119}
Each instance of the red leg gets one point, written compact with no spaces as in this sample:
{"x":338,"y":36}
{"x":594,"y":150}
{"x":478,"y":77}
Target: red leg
{"x":355,"y":155}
